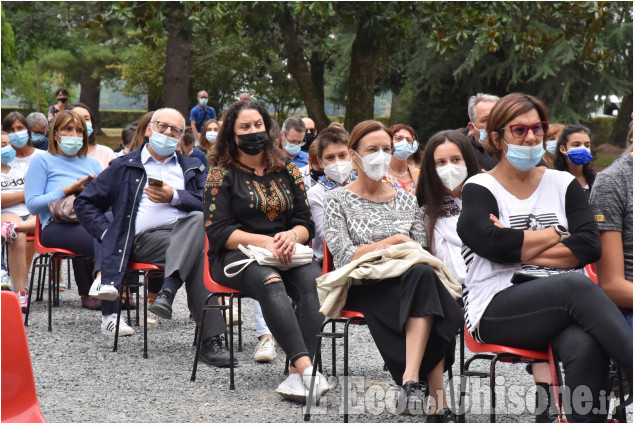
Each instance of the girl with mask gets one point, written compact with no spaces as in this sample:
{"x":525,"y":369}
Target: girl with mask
{"x":448,"y":160}
{"x":17,"y":154}
{"x":208,"y":135}
{"x":413,"y":318}
{"x":254,"y":197}
{"x":62,"y":99}
{"x":403,"y":172}
{"x":528,"y":231}
{"x":332,"y":151}
{"x":550,"y":142}
{"x":62,"y":171}
{"x":573,"y":154}
{"x":103,"y":154}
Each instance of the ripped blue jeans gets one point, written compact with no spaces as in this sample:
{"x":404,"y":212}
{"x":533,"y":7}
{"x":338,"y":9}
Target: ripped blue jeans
{"x":295,"y":331}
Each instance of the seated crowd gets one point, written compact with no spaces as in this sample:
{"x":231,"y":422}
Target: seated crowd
{"x":488,"y":227}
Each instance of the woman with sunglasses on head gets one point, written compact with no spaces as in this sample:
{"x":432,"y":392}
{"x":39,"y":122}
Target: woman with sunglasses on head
{"x":403,"y":171}
{"x":528,"y":232}
{"x":573,"y":154}
{"x":64,"y":170}
{"x":413,"y":318}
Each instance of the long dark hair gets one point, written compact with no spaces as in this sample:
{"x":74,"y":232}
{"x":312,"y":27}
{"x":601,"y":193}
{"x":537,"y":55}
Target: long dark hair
{"x":430,"y":190}
{"x":560,"y":161}
{"x":226,"y":149}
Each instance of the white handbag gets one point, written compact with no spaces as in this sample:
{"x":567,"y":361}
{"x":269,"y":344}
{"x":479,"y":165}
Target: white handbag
{"x":302,"y":255}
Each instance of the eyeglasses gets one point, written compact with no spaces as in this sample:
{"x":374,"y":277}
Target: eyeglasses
{"x":163,"y":127}
{"x":372,"y":149}
{"x":407,"y":139}
{"x":293,"y":142}
{"x":520,"y":130}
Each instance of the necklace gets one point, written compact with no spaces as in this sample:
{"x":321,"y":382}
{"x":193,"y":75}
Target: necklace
{"x":397,"y":174}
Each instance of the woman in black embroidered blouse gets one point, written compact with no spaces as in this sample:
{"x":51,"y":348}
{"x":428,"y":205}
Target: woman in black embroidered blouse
{"x":254,"y":197}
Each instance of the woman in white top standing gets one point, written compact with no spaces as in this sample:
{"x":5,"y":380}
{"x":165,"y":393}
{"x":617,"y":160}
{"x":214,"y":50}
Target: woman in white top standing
{"x":448,"y":160}
{"x":528,"y":232}
{"x":17,"y":154}
{"x":103,"y":154}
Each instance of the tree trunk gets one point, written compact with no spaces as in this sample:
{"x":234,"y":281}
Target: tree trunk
{"x":176,"y":76}
{"x":154,"y":102}
{"x":317,"y":75}
{"x":300,"y":70}
{"x":360,"y":98}
{"x":90,"y":89}
{"x":620,"y":128}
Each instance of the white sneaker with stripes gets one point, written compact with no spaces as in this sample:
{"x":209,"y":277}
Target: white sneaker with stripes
{"x":109,"y":323}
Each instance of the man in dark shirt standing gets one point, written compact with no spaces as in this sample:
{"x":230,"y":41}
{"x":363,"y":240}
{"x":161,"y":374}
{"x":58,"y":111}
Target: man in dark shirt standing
{"x":478,"y":109}
{"x":201,"y":113}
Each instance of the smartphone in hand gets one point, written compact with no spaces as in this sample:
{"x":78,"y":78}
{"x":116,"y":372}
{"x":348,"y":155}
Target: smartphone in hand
{"x":155,"y":182}
{"x":87,"y":182}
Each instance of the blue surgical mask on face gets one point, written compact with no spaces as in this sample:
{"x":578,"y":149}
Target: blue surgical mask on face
{"x":292,"y":149}
{"x":89,"y":128}
{"x":70,"y":145}
{"x":403,"y":150}
{"x":19,"y":138}
{"x":203,"y":101}
{"x":8,"y":154}
{"x":551,"y":146}
{"x":524,"y":158}
{"x":162,"y":144}
{"x":482,"y":134}
{"x":579,"y":156}
{"x":37,"y":138}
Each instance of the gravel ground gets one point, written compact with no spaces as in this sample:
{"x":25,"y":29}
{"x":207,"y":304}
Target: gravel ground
{"x":80,"y":379}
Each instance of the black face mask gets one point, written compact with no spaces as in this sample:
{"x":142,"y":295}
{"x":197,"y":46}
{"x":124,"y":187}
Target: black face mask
{"x":63,"y":99}
{"x":315,"y":174}
{"x":253,"y":143}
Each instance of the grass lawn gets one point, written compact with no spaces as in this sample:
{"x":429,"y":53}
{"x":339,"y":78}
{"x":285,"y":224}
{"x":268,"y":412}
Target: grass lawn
{"x":112,"y":139}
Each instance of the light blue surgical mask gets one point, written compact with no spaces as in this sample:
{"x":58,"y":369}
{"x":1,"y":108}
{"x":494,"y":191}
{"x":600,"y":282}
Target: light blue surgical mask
{"x":162,"y":144}
{"x":203,"y":101}
{"x":89,"y":128}
{"x":19,"y":138}
{"x":70,"y":145}
{"x":482,"y":134}
{"x":403,"y":150}
{"x":524,"y":158}
{"x":37,"y":138}
{"x":551,"y":146}
{"x":8,"y":154}
{"x":292,"y":149}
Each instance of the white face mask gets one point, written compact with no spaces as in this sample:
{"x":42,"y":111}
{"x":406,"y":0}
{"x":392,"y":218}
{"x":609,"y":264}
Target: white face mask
{"x":338,"y":171}
{"x":376,"y":164}
{"x":452,"y":175}
{"x":211,"y":136}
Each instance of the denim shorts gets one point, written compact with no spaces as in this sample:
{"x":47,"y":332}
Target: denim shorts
{"x":23,"y":217}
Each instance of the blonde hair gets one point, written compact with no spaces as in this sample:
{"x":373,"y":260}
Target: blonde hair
{"x":62,"y":118}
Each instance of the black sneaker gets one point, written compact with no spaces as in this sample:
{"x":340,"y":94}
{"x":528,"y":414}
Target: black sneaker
{"x":214,"y":353}
{"x":413,"y":402}
{"x":443,"y":416}
{"x":162,"y":305}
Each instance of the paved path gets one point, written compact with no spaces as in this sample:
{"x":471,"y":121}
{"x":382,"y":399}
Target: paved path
{"x":80,"y":379}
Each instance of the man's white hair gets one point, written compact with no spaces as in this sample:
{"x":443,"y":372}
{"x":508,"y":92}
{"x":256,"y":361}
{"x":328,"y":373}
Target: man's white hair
{"x":480,"y":97}
{"x":168,"y":109}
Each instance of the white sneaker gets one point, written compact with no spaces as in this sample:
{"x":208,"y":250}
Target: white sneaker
{"x":292,"y":388}
{"x":265,"y":350}
{"x":7,"y":285}
{"x":109,"y":323}
{"x":153,"y":321}
{"x":234,"y":319}
{"x":321,"y":383}
{"x":103,"y":292}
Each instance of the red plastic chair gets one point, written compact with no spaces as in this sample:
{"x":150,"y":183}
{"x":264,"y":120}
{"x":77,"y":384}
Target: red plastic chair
{"x":590,"y":269}
{"x":147,"y":270}
{"x":495,"y":353}
{"x":19,"y":398}
{"x":54,"y":284}
{"x":224,"y":291}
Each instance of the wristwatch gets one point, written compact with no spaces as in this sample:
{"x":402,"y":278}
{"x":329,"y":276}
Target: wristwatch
{"x":562,"y":231}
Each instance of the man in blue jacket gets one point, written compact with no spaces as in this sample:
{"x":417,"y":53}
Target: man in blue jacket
{"x":156,"y":199}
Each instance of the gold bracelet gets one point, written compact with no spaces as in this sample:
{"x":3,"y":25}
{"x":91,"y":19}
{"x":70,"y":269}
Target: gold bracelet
{"x":297,"y":236}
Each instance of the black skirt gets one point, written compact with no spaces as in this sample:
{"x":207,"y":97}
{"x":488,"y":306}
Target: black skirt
{"x":388,"y":304}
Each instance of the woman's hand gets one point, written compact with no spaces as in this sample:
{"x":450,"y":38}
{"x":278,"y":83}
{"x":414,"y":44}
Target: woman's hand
{"x":78,"y":186}
{"x":284,"y":245}
{"x":496,"y":221}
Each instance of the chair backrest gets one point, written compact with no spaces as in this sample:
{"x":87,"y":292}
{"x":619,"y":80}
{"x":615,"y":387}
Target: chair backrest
{"x":478,"y":347}
{"x":19,"y":398}
{"x":41,"y":249}
{"x":590,"y":269}
{"x":210,"y":283}
{"x":327,"y":264}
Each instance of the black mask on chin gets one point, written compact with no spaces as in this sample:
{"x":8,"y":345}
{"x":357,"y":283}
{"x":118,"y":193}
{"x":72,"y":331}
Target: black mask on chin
{"x":253,"y":143}
{"x":63,"y":99}
{"x":315,"y":174}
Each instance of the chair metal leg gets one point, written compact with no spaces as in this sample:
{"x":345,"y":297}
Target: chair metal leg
{"x":231,"y":346}
{"x":145,"y":315}
{"x":492,"y":389}
{"x":333,"y":352}
{"x":199,"y":338}
{"x":114,"y":348}
{"x":240,"y":326}
{"x":316,"y":359}
{"x":52,"y":271}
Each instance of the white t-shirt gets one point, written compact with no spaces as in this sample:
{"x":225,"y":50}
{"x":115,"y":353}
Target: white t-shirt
{"x":13,"y":181}
{"x":446,"y":244}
